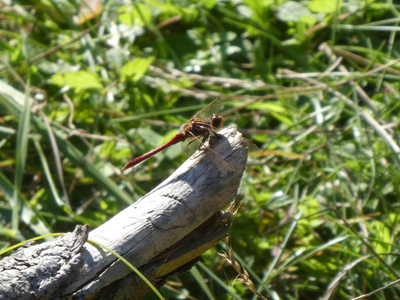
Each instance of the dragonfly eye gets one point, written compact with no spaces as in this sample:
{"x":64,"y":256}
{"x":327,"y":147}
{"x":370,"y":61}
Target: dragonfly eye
{"x":217,"y":121}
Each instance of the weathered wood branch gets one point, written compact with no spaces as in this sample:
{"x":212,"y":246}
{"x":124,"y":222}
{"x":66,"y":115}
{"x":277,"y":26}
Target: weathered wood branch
{"x":37,"y":271}
{"x":162,"y":233}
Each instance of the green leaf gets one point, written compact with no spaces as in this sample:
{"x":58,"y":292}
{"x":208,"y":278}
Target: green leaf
{"x":267,"y":106}
{"x":150,"y":136}
{"x":282,"y":119}
{"x":80,"y":80}
{"x":139,"y":15}
{"x":292,"y":11}
{"x":135,"y":69}
{"x":323,"y":6}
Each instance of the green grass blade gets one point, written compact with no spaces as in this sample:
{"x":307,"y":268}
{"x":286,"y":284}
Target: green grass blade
{"x":219,"y":281}
{"x":200,"y":280}
{"x":15,"y":99}
{"x":129,"y":265}
{"x":20,"y":155}
{"x":28,"y":216}
{"x":48,"y":175}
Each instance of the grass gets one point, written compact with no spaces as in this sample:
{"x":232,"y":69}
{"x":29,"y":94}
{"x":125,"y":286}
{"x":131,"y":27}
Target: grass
{"x":315,"y":84}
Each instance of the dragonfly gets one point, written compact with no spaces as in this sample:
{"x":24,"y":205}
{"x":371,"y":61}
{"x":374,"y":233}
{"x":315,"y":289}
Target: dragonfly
{"x":201,"y":125}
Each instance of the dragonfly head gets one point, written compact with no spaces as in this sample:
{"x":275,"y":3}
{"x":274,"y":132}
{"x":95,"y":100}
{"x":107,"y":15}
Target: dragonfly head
{"x":217,"y":121}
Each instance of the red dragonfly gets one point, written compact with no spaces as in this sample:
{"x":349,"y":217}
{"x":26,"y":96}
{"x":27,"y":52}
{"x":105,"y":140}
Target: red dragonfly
{"x":201,"y":125}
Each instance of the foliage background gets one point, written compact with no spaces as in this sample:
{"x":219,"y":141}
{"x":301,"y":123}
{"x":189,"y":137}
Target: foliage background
{"x":314,"y":83}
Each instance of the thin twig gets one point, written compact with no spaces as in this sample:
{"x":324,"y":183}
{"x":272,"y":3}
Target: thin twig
{"x":377,"y":290}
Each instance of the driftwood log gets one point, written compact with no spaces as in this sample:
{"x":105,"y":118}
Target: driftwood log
{"x":161,"y":234}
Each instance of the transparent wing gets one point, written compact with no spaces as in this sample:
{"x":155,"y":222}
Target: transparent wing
{"x":212,"y":108}
{"x":190,"y":145}
{"x":251,"y":146}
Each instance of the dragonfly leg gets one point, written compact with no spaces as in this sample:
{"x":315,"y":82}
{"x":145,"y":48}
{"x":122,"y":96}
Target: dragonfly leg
{"x":196,"y":138}
{"x":204,"y":140}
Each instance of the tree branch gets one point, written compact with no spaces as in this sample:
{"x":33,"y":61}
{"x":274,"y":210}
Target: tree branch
{"x":165,"y":231}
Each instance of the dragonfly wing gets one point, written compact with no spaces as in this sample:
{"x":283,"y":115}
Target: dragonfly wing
{"x":190,"y":145}
{"x":251,"y":146}
{"x":212,"y":108}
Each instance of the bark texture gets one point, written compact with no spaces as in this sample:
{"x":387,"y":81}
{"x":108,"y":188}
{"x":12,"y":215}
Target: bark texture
{"x":37,"y":271}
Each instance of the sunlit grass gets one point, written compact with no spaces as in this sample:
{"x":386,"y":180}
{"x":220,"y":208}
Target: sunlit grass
{"x":313,"y":84}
